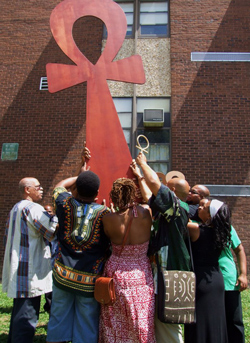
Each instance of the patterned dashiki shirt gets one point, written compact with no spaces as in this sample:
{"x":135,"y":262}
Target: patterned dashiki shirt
{"x":83,"y":246}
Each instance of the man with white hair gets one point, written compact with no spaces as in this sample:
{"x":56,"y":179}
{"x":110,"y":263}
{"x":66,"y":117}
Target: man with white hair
{"x":26,"y":270}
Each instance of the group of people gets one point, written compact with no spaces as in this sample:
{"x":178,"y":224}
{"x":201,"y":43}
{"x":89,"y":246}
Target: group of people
{"x":147,"y":221}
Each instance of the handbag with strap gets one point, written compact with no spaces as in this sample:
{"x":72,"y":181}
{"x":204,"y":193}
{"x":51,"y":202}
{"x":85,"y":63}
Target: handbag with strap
{"x":176,"y":294}
{"x":105,"y":290}
{"x":104,"y":286}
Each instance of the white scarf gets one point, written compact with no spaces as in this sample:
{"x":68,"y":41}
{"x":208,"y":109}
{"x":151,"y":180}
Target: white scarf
{"x":214,"y":207}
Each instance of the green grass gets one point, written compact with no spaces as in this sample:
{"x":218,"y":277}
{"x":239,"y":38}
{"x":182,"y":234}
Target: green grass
{"x":245,"y":297}
{"x":5,"y":313}
{"x":41,"y":330}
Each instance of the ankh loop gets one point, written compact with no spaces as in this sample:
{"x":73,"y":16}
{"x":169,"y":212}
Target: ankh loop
{"x":144,"y":150}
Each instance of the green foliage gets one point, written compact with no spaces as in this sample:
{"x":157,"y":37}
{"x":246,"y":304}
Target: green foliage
{"x":41,"y":330}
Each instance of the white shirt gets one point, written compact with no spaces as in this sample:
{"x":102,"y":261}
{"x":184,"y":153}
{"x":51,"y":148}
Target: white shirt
{"x":27,"y":269}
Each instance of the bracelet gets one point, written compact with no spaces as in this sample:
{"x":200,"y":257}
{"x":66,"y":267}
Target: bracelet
{"x":141,"y":178}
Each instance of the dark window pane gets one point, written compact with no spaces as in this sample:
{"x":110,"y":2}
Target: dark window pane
{"x":154,"y":30}
{"x":156,"y":136}
{"x":129,"y":31}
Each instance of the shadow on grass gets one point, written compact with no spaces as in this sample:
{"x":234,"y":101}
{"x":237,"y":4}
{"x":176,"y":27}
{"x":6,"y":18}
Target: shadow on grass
{"x":40,"y":338}
{"x":6,"y":310}
{"x":3,"y":337}
{"x":37,"y":338}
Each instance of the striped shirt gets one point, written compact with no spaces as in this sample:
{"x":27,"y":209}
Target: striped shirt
{"x":26,"y":269}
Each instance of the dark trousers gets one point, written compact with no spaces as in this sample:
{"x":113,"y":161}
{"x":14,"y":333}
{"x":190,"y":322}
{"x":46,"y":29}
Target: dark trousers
{"x":24,"y":317}
{"x":48,"y":300}
{"x":235,"y":326}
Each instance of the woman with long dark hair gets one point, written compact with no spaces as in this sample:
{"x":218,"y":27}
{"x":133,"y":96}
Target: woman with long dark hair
{"x":208,"y":240}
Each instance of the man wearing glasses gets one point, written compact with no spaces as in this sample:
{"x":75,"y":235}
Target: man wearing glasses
{"x":26,"y":270}
{"x":195,"y":195}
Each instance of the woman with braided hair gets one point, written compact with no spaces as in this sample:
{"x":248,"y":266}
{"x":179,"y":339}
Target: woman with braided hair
{"x":131,"y":317}
{"x":208,"y":240}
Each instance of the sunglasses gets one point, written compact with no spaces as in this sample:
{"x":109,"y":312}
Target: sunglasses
{"x":192,"y":191}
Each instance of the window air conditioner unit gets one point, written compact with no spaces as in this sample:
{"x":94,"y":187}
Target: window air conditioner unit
{"x":153,"y":117}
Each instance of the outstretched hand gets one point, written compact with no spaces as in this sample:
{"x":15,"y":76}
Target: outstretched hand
{"x":135,"y":169}
{"x":85,"y":155}
{"x":112,"y":209}
{"x":141,"y":159}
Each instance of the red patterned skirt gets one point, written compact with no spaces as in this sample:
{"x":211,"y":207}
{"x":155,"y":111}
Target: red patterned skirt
{"x":131,"y":318}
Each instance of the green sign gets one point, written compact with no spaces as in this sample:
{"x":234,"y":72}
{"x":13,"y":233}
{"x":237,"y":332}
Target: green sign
{"x":9,"y":151}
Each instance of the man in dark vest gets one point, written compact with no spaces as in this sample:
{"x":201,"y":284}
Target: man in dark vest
{"x":170,"y":210}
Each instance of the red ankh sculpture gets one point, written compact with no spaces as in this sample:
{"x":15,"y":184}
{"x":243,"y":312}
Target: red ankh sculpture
{"x":104,"y":135}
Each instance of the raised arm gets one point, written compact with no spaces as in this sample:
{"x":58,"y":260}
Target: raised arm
{"x":69,"y":183}
{"x":145,"y":191}
{"x":150,"y":175}
{"x":242,"y":264}
{"x":84,"y":156}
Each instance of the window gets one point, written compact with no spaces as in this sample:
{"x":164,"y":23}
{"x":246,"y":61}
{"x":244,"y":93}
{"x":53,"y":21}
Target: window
{"x":159,"y":137}
{"x":128,"y":9}
{"x":152,"y":18}
{"x":124,"y":110}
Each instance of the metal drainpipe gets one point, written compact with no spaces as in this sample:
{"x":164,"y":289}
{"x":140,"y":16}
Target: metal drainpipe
{"x":134,"y":114}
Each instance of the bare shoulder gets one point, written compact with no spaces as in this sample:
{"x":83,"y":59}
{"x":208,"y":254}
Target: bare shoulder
{"x":144,"y":209}
{"x":108,"y":217}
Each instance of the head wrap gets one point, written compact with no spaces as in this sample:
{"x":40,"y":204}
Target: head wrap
{"x":214,"y":207}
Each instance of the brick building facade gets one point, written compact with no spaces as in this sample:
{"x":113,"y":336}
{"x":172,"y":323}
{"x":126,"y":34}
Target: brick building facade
{"x":211,"y":100}
{"x":210,"y":131}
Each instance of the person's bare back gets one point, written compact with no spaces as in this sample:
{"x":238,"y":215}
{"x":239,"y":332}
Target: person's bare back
{"x":116,"y":223}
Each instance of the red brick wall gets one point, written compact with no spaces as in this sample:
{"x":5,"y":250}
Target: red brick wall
{"x":211,"y":100}
{"x":50,"y":128}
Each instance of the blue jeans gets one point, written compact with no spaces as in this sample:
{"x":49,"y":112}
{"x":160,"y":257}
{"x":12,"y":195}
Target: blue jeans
{"x":73,"y":318}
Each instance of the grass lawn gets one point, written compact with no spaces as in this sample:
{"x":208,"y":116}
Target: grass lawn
{"x":6,"y":306}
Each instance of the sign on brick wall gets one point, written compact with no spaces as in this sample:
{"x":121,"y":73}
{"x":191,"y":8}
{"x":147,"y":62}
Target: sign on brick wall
{"x":9,"y":151}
